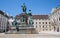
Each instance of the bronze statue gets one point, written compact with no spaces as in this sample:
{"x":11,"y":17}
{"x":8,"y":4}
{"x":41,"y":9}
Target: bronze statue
{"x":24,"y":7}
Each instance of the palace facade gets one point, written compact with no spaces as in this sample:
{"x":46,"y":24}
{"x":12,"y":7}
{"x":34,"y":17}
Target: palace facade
{"x":48,"y":23}
{"x":42,"y":23}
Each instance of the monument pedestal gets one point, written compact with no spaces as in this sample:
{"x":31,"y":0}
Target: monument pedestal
{"x":22,"y":30}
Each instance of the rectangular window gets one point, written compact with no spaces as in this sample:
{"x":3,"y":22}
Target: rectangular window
{"x":46,"y":22}
{"x":43,"y":22}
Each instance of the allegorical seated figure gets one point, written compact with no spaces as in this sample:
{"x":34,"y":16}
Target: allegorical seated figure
{"x":30,"y":22}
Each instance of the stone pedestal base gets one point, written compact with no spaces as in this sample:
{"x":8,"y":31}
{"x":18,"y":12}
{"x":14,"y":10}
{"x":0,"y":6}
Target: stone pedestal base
{"x":22,"y":30}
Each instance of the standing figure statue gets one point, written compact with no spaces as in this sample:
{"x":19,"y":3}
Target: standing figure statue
{"x":24,"y":7}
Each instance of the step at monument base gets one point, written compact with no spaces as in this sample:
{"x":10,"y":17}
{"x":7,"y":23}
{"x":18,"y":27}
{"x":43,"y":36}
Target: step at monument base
{"x":21,"y":32}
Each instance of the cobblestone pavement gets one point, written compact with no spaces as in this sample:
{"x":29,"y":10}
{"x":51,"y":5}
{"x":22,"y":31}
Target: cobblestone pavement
{"x":2,"y":35}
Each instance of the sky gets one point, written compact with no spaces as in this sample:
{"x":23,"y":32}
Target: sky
{"x":37,"y":7}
